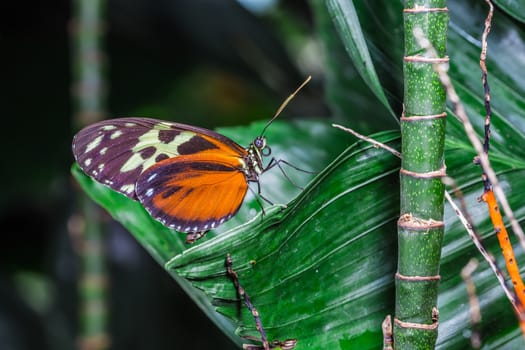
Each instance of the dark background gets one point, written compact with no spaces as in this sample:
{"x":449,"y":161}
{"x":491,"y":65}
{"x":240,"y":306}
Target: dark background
{"x":205,"y":62}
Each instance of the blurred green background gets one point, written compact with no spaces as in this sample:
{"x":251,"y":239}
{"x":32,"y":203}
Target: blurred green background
{"x":209,"y":63}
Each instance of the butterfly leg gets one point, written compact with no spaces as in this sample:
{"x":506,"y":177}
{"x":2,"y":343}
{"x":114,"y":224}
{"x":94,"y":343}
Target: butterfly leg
{"x":259,"y":194}
{"x":277,"y":162}
{"x":192,"y":237}
{"x":287,"y":344}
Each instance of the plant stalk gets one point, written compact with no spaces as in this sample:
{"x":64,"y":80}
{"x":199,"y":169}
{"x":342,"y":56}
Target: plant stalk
{"x":420,"y":226}
{"x":89,"y":97}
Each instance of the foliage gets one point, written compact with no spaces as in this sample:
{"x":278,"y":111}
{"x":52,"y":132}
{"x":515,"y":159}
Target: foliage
{"x":321,"y":270}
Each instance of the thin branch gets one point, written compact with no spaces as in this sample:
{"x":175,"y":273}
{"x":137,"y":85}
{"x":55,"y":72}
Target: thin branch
{"x":242,"y":294}
{"x":369,"y":140}
{"x":486,"y":87}
{"x":475,"y":312}
{"x":287,"y":344}
{"x":459,"y":110}
{"x":466,"y":220}
{"x":388,"y":340}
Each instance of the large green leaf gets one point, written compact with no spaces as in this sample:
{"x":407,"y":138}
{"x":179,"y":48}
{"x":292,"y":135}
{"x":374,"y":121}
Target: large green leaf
{"x":311,"y":144}
{"x":310,"y":258}
{"x":346,"y":21}
{"x":514,"y":8}
{"x":302,"y":280}
{"x":347,"y":94}
{"x":316,"y":274}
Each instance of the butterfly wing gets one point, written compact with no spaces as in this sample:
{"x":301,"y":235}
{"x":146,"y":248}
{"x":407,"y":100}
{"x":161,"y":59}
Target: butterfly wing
{"x":116,"y":152}
{"x":193,"y":193}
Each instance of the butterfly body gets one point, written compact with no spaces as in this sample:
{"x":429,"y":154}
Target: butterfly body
{"x":190,"y":179}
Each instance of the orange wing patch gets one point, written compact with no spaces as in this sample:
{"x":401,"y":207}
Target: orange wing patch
{"x":195,"y":192}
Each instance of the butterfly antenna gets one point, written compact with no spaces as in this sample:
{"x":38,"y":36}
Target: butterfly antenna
{"x":285,"y":103}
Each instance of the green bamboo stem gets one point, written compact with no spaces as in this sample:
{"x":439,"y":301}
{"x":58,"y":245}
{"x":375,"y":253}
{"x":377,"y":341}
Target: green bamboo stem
{"x":420,"y":227}
{"x":90,"y":101}
{"x":89,"y":90}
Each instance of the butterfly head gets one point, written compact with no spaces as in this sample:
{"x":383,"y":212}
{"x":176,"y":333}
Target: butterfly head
{"x":256,"y":151}
{"x":260,"y":148}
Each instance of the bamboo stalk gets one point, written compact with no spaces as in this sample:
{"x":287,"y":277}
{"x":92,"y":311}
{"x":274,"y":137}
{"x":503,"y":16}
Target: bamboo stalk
{"x":420,"y":227}
{"x":89,"y":98}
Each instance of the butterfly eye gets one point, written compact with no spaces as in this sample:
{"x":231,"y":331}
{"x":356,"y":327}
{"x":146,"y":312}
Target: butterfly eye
{"x":260,"y":142}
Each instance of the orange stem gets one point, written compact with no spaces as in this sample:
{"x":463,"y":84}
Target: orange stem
{"x":508,"y":253}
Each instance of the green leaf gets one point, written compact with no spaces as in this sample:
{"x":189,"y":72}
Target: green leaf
{"x":344,"y":16}
{"x":303,"y":280}
{"x":345,"y":93}
{"x":324,"y":266}
{"x":319,"y":275}
{"x":297,"y":251}
{"x":163,"y":244}
{"x":514,"y":8}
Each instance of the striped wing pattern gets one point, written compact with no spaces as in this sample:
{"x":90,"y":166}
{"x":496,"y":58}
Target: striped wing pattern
{"x":189,"y":178}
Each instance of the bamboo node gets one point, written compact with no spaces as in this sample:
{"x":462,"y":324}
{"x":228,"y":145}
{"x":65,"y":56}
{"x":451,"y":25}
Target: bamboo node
{"x":442,"y":172}
{"x":409,"y":221}
{"x":423,"y":59}
{"x":415,"y":118}
{"x":419,"y":9}
{"x":417,"y":278}
{"x":414,"y":325}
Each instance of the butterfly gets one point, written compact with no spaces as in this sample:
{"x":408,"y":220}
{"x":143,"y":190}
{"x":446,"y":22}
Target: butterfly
{"x":188,"y":178}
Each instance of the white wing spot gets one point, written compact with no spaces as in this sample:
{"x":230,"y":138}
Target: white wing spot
{"x":87,"y":162}
{"x":108,"y":127}
{"x":94,"y":143}
{"x":130,"y":124}
{"x":195,"y":228}
{"x":108,"y":182}
{"x":152,"y":176}
{"x":213,"y":224}
{"x":149,"y":192}
{"x":178,"y":228}
{"x":103,"y":151}
{"x":132,"y":163}
{"x":206,"y":226}
{"x":101,"y":166}
{"x":127,"y":188}
{"x":115,"y":134}
{"x":222,"y":220}
{"x":187,"y":229}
